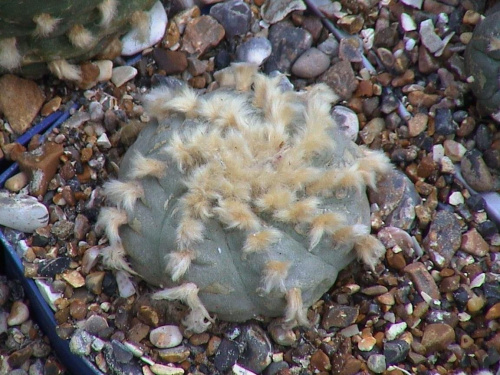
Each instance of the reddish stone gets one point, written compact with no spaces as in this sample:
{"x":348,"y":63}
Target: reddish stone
{"x":422,"y":279}
{"x":41,"y":166}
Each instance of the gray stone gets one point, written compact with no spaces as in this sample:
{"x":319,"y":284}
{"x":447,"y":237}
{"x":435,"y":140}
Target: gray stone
{"x":475,"y":172}
{"x":234,"y":15}
{"x":347,"y":120}
{"x":397,"y":197}
{"x":276,"y":10}
{"x":443,"y":239}
{"x":376,"y":363}
{"x":256,"y":355}
{"x":429,"y":38}
{"x":311,"y":64}
{"x":288,"y":42}
{"x":255,"y":51}
{"x":329,"y":46}
{"x":80,"y":343}
{"x":123,"y":74}
{"x":340,"y":77}
{"x":396,"y":351}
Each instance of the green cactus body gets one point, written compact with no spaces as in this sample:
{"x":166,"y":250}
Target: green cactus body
{"x":33,"y":33}
{"x":242,"y":202}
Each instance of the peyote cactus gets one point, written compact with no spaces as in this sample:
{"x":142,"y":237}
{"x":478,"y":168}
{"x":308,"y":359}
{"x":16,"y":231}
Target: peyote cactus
{"x":34,"y":33}
{"x":241,"y":202}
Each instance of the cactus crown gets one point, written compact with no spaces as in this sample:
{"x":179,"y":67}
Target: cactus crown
{"x":258,"y":162}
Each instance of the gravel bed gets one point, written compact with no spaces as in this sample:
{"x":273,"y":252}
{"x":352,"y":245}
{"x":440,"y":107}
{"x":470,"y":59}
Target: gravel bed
{"x":432,"y":306}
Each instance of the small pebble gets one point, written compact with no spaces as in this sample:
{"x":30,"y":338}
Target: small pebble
{"x":376,"y":363}
{"x":19,"y":313}
{"x":22,"y":212}
{"x":123,"y":74}
{"x":134,"y":42}
{"x":254,"y":51}
{"x":165,"y":336}
{"x":311,"y":64}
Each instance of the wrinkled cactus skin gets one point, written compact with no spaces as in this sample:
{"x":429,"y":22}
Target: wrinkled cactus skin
{"x":232,"y":282}
{"x":17,"y":21}
{"x":228,"y":283}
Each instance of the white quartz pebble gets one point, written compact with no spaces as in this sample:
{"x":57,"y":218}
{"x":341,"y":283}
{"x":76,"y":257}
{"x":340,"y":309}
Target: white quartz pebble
{"x":22,"y":212}
{"x":133,"y":43}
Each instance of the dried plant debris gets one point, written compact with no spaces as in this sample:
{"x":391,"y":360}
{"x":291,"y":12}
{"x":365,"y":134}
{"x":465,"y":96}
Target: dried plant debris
{"x":245,"y":201}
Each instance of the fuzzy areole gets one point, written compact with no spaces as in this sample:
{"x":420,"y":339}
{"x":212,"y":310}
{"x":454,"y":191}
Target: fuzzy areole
{"x":242,"y":202}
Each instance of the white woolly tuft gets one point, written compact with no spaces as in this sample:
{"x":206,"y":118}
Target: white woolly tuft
{"x":275,"y":199}
{"x":369,"y":249}
{"x":295,"y":312}
{"x":144,"y":167}
{"x":350,"y":233}
{"x":179,"y":263}
{"x":110,"y":219}
{"x":237,"y":214}
{"x":114,"y":257}
{"x":140,"y":21}
{"x":155,"y":101}
{"x":45,"y":24}
{"x":301,"y":211}
{"x":261,"y":241}
{"x":326,"y":223}
{"x":198,"y":320}
{"x":123,"y":194}
{"x":10,"y":58}
{"x":196,"y":204}
{"x":189,"y":231}
{"x":80,"y":37}
{"x":244,"y":74}
{"x":184,"y":101}
{"x":64,"y":70}
{"x":108,"y":10}
{"x":274,"y":276}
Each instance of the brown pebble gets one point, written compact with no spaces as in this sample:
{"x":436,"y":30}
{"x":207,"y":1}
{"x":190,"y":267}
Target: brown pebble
{"x":417,"y":124}
{"x":426,"y":166}
{"x":200,"y":34}
{"x":78,"y":309}
{"x":20,"y":357}
{"x":473,"y":243}
{"x":339,"y":316}
{"x":475,"y":303}
{"x":51,"y":106}
{"x":422,"y":279}
{"x":437,"y":336}
{"x":213,"y":345}
{"x":395,"y":260}
{"x":93,"y":281}
{"x":174,"y":355}
{"x":320,"y":361}
{"x":138,"y":332}
{"x":172,"y":62}
{"x":199,"y":339}
{"x":41,"y":165}
{"x":493,"y":312}
{"x":449,"y":284}
{"x":421,"y":99}
{"x":148,"y":315}
{"x":20,"y":101}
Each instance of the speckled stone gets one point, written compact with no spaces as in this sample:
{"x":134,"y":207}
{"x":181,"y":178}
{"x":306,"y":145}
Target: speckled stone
{"x":437,"y":336}
{"x":423,"y":280}
{"x":288,"y":43}
{"x":443,"y":239}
